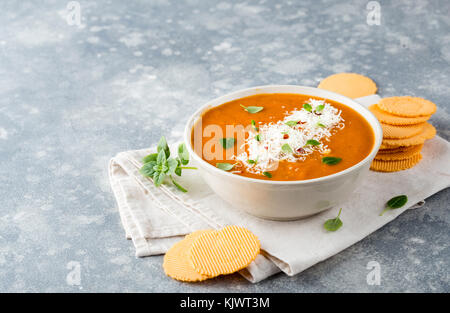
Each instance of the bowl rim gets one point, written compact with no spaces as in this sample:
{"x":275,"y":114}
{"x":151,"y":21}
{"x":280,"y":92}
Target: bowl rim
{"x":376,"y":128}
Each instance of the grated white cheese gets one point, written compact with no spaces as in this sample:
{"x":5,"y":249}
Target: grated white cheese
{"x":265,"y":154}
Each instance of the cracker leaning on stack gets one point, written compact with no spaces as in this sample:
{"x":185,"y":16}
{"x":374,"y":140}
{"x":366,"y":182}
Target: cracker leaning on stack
{"x":403,"y":119}
{"x":206,"y":254}
{"x":405,"y":129}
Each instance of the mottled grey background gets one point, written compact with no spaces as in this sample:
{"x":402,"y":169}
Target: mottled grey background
{"x":72,"y":97}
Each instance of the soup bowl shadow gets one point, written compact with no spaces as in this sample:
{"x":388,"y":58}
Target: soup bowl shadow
{"x":285,"y":200}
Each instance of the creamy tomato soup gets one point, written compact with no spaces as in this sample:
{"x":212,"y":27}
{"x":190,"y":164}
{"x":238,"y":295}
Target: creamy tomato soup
{"x":282,"y":137}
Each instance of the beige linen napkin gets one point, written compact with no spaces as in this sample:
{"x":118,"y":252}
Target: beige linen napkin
{"x":155,"y":218}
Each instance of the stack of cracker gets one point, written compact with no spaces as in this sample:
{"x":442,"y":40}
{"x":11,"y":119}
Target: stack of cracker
{"x":206,"y":254}
{"x":405,"y":129}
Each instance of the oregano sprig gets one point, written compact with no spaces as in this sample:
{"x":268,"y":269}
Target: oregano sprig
{"x":160,"y":165}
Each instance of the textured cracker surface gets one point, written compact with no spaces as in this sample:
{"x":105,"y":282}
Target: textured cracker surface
{"x":387,"y":118}
{"x":395,"y":165}
{"x":176,"y":261}
{"x":224,"y":251}
{"x":428,"y":132}
{"x":402,"y":131}
{"x":407,"y":106}
{"x":351,"y":85}
{"x":64,"y":91}
{"x":400,"y":155}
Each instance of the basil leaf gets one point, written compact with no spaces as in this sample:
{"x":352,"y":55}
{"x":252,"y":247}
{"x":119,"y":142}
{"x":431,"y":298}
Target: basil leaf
{"x":183,"y":154}
{"x":161,"y":158}
{"x":252,"y":109}
{"x":162,"y":146}
{"x":225,"y":166}
{"x":249,"y":161}
{"x":149,"y":158}
{"x":254,"y":126}
{"x":172,"y":165}
{"x":227,"y":142}
{"x":286,"y":148}
{"x":291,"y":123}
{"x":159,"y":165}
{"x":267,"y":174}
{"x":148,"y":169}
{"x":334,"y":223}
{"x":158,"y":178}
{"x":258,"y":137}
{"x":307,"y":107}
{"x":331,"y":160}
{"x":321,"y":125}
{"x":395,"y":203}
{"x":312,"y":142}
{"x":319,"y":108}
{"x":177,"y":185}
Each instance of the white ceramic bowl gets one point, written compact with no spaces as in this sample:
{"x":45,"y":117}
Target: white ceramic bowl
{"x":285,"y":200}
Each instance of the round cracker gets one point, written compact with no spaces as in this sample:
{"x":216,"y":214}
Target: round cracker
{"x":395,"y":165}
{"x":224,"y":252}
{"x":427,"y":132}
{"x":176,"y":261}
{"x":351,"y":85}
{"x":401,"y":131}
{"x":387,"y":118}
{"x":407,"y":106}
{"x":398,"y":149}
{"x":402,"y":155}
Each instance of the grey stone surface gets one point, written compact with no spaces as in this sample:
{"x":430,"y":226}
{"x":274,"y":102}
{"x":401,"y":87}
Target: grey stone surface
{"x":71,"y":97}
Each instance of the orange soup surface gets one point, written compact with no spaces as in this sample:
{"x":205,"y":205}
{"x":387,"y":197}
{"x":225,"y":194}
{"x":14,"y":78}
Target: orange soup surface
{"x":292,"y":137}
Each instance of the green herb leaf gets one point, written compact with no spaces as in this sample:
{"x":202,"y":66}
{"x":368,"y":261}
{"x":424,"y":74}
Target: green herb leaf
{"x":267,"y":174}
{"x":334,"y":223}
{"x":395,"y":203}
{"x":291,"y":123}
{"x":258,"y":137}
{"x":172,"y":165}
{"x":312,"y":142}
{"x":252,"y":109}
{"x":159,"y":165}
{"x":319,"y":108}
{"x":227,"y":142}
{"x":254,"y":126}
{"x":321,"y":125}
{"x":183,"y":154}
{"x":331,"y":160}
{"x":286,"y":148}
{"x":177,"y":185}
{"x":162,"y":145}
{"x":307,"y":107}
{"x":161,"y":158}
{"x":158,"y":178}
{"x":147,"y":169}
{"x":150,"y":157}
{"x":249,"y":161}
{"x":225,"y":166}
